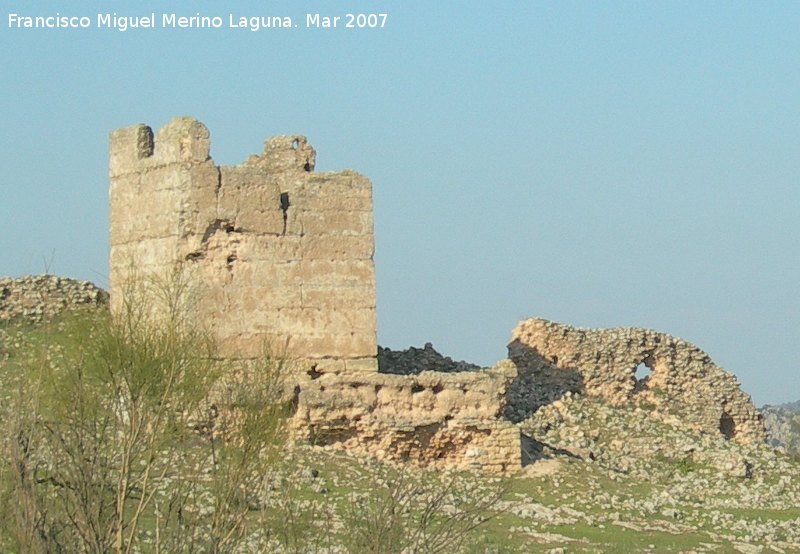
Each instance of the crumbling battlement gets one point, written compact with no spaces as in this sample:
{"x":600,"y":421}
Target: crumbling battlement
{"x":553,"y":359}
{"x":273,"y":253}
{"x":432,"y":419}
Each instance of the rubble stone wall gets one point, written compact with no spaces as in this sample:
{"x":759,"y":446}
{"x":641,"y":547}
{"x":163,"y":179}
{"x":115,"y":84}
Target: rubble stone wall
{"x":273,"y":254}
{"x":552,"y":359}
{"x":416,"y":360}
{"x":36,"y":298}
{"x":432,"y":419}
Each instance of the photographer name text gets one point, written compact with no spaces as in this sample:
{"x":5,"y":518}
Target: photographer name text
{"x":155,"y":20}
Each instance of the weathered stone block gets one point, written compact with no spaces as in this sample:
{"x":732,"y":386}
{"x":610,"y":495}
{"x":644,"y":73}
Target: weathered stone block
{"x":354,"y":345}
{"x":296,"y":321}
{"x":335,"y":222}
{"x":150,"y":255}
{"x":283,"y":249}
{"x":126,"y":147}
{"x":183,"y":139}
{"x":338,"y":273}
{"x":361,"y":364}
{"x":356,"y":296}
{"x":337,"y":247}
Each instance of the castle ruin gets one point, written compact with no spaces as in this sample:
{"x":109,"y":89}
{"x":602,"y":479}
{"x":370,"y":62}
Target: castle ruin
{"x":673,"y":375}
{"x":277,"y":255}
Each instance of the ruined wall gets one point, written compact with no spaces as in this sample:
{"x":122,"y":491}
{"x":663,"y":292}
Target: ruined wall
{"x":432,"y":419}
{"x":553,"y":358}
{"x":272,"y":252}
{"x":416,"y":360}
{"x":35,"y":298}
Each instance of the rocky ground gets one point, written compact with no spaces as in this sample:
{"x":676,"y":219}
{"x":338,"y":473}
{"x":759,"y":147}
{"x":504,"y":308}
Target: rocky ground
{"x":635,"y":472}
{"x":634,"y":479}
{"x":601,"y":479}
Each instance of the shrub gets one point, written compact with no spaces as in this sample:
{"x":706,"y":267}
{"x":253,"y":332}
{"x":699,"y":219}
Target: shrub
{"x":109,"y":437}
{"x":419,"y":514}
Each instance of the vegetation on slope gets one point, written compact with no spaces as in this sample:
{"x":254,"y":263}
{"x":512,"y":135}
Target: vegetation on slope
{"x":125,"y":434}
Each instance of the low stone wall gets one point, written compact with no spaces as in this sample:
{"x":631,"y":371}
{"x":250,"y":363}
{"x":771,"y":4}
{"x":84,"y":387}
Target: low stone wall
{"x":35,"y":298}
{"x":552,"y":359}
{"x":441,"y":420}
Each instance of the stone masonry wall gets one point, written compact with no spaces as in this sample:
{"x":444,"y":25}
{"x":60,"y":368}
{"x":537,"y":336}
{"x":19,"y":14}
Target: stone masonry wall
{"x":431,"y":419}
{"x":552,"y":359}
{"x":273,"y":253}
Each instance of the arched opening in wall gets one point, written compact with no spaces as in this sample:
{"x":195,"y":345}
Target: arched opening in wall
{"x":641,"y":375}
{"x":727,"y":426}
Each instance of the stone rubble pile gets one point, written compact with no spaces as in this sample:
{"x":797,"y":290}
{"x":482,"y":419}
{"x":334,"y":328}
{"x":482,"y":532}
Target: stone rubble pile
{"x":416,"y":360}
{"x":36,"y":298}
{"x":642,"y":470}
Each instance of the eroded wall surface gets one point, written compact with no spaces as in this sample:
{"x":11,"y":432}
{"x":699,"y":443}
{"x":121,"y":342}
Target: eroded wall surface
{"x":674,"y":375}
{"x":274,"y":254}
{"x":432,"y":419}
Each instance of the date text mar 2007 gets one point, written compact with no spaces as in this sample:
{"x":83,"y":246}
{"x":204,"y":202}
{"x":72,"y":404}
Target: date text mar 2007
{"x":347,"y":21}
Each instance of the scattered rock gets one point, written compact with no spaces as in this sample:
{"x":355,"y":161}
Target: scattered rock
{"x":416,"y":360}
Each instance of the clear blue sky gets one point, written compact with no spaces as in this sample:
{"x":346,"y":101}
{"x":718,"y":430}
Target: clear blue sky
{"x":594,"y":163}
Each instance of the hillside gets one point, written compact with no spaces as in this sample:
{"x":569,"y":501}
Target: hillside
{"x":597,"y":477}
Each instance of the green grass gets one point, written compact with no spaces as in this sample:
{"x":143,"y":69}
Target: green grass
{"x":620,"y":539}
{"x":753,"y":514}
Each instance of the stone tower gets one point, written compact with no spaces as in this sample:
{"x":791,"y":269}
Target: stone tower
{"x":275,"y":255}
